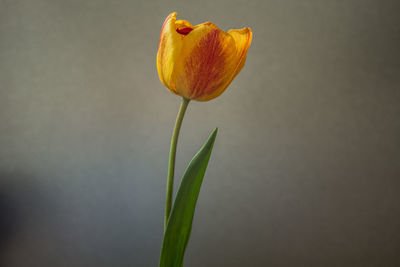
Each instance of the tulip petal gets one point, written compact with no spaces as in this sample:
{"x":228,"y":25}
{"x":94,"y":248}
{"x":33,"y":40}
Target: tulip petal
{"x":168,"y":50}
{"x":183,"y":24}
{"x":205,"y":62}
{"x":242,"y":39}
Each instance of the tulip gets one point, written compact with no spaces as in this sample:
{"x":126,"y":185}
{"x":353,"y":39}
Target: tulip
{"x":199,"y":62}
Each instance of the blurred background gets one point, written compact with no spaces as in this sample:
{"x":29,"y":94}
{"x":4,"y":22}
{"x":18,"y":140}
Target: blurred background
{"x":306,"y":166}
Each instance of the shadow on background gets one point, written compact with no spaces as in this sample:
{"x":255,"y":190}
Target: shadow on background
{"x":21,"y":201}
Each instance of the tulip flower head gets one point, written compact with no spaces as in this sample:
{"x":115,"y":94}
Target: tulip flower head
{"x":199,"y":62}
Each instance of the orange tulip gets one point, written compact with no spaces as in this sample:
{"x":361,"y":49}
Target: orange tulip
{"x":199,"y":62}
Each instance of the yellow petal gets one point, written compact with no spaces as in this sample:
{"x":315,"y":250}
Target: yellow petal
{"x":168,"y":50}
{"x":243,"y":39}
{"x":205,"y":62}
{"x":182,"y":24}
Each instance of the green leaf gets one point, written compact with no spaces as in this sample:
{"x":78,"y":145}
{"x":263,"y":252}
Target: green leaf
{"x":179,"y":226}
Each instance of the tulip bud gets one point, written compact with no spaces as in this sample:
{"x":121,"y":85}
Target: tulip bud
{"x":199,"y":62}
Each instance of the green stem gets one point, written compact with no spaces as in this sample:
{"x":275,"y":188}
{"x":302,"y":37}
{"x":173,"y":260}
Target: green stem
{"x":172,"y":154}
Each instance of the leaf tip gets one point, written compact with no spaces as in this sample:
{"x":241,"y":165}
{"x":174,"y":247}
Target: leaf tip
{"x":214,"y":133}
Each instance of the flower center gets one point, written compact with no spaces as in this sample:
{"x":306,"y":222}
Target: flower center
{"x":184,"y":31}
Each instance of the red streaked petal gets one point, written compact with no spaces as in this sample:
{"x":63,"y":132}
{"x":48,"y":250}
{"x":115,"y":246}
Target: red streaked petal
{"x":205,"y":62}
{"x":243,"y":38}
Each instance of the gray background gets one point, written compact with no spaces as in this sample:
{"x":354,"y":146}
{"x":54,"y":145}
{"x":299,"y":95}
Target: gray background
{"x":305,"y":169}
